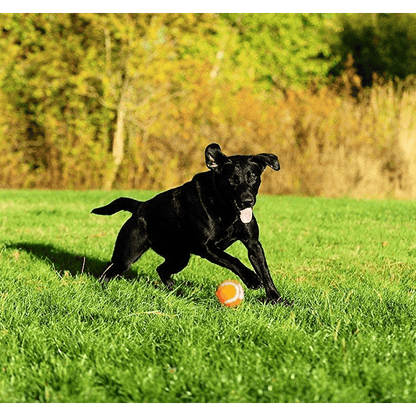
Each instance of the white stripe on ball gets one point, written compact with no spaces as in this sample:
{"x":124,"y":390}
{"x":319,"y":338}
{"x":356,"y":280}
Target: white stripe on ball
{"x":239,"y":293}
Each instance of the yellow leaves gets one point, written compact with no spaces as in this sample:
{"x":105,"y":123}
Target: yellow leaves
{"x":216,"y":110}
{"x":192,"y":79}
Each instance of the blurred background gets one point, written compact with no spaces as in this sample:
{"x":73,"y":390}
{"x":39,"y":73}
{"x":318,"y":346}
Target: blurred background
{"x":129,"y":101}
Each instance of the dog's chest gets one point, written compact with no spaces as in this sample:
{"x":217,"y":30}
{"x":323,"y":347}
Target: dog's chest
{"x":224,"y":233}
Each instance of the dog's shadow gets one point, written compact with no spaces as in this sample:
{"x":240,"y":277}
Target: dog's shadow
{"x":63,"y":261}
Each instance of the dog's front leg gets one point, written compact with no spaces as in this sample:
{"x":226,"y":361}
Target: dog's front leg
{"x":221,"y":258}
{"x":258,"y":260}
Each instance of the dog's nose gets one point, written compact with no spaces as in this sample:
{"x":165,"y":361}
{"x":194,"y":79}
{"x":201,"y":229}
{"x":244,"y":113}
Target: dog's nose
{"x":247,"y":201}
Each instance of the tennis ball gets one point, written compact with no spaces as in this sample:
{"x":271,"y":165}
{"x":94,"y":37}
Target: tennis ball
{"x":230,"y":293}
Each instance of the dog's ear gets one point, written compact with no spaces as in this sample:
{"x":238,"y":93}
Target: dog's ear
{"x":267,"y":159}
{"x":214,"y":158}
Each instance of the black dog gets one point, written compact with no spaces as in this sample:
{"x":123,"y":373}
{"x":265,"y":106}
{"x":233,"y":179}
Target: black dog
{"x":203,"y":217}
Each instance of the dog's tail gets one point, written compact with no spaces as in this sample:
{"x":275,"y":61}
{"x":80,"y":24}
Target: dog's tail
{"x":120,"y":204}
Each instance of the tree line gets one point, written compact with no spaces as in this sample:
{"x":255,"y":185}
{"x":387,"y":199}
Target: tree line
{"x":114,"y":100}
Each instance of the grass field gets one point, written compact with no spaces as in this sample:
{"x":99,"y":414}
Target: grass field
{"x":349,"y":265}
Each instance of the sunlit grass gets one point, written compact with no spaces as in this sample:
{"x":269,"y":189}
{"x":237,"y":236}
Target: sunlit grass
{"x":348,"y":265}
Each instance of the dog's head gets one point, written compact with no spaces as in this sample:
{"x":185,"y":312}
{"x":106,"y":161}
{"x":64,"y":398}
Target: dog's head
{"x":238,"y":177}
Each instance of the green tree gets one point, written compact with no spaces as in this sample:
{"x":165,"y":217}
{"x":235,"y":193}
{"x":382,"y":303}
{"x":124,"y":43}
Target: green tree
{"x":42,"y":57}
{"x":78,"y":80}
{"x":379,"y":43}
{"x":284,"y":50}
{"x":104,"y":99}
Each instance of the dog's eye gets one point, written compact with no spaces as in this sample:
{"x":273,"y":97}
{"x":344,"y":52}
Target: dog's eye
{"x":234,"y":180}
{"x":251,"y":177}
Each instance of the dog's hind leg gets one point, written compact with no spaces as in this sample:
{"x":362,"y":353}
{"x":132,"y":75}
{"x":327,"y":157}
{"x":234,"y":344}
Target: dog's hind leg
{"x":131,"y":243}
{"x":170,"y":266}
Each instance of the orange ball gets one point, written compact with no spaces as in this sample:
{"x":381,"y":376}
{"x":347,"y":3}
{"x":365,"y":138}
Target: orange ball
{"x":230,"y":293}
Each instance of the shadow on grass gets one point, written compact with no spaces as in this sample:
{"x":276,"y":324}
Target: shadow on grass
{"x":63,"y":260}
{"x":66,"y":261}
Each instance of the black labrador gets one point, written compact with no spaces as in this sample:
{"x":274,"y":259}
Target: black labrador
{"x":203,"y":217}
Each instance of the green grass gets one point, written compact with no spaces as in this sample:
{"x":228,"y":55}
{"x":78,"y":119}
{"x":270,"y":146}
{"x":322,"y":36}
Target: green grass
{"x":350,"y":336}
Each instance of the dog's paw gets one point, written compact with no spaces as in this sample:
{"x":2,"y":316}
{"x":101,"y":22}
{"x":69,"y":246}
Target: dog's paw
{"x":252,"y":281}
{"x":254,"y":284}
{"x":169,"y":283}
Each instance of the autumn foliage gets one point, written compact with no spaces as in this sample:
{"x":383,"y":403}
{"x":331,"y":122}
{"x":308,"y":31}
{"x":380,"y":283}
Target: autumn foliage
{"x":131,"y":101}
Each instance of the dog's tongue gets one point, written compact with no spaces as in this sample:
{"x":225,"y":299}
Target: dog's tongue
{"x":246,"y":215}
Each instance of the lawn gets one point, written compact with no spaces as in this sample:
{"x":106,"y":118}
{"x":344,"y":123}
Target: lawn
{"x":349,"y":265}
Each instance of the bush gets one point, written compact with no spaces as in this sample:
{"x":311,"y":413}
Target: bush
{"x":131,"y":101}
{"x":380,"y":43}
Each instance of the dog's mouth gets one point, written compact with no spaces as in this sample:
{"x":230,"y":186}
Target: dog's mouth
{"x":246,"y":215}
